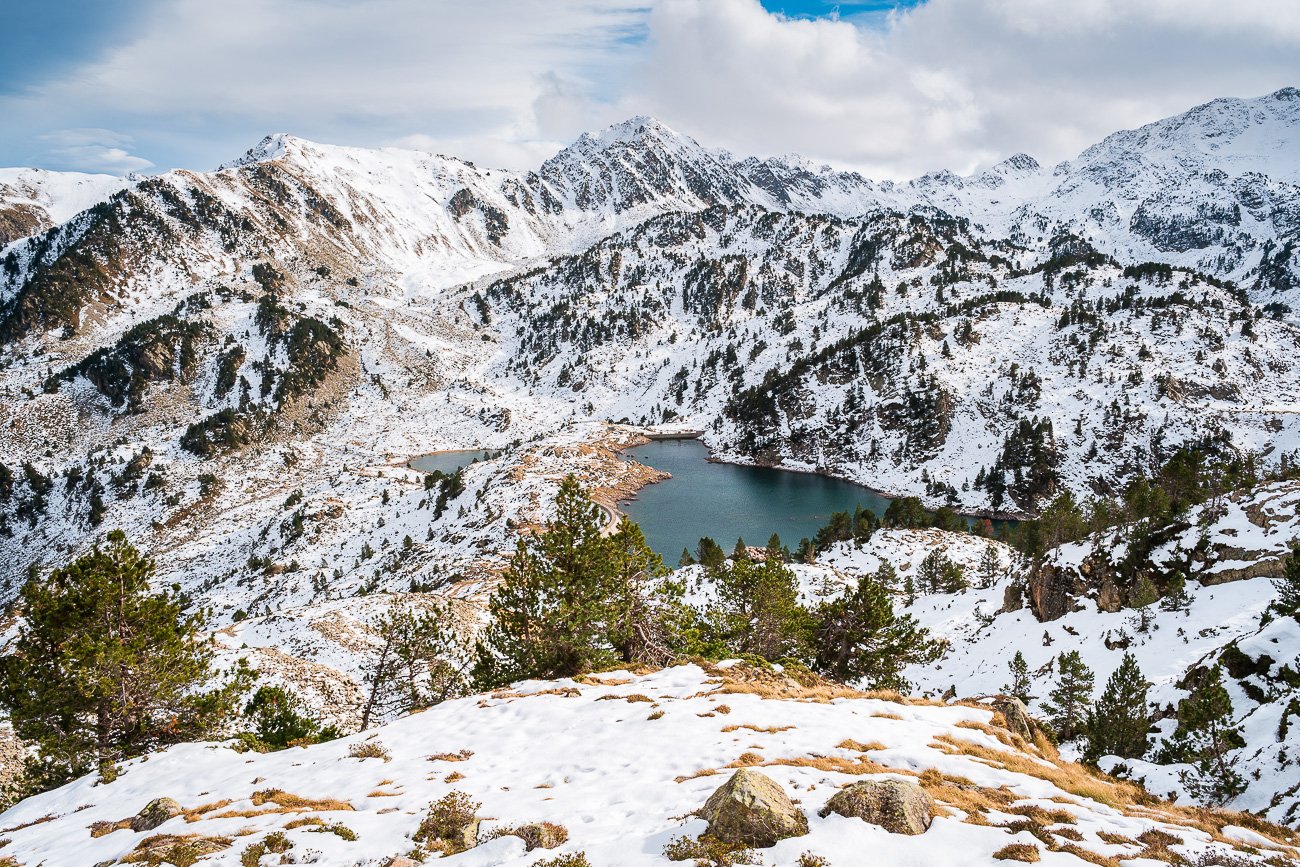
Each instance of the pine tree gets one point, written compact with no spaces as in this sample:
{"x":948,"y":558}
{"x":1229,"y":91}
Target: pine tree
{"x":1288,"y":586}
{"x":1068,"y":702}
{"x":1117,"y":724}
{"x":858,"y":638}
{"x":1144,"y":596}
{"x":572,"y":599}
{"x":709,"y":553}
{"x":909,"y":590}
{"x":989,"y":568}
{"x":1176,"y":597}
{"x":420,"y":661}
{"x":1020,"y":681}
{"x":775,"y":550}
{"x":932,"y":570}
{"x":755,"y":610}
{"x":741,"y":551}
{"x":104,"y":670}
{"x":686,"y":559}
{"x":1205,"y":722}
{"x":280,"y":720}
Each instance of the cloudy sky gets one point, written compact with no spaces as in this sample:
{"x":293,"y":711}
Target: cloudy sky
{"x":889,"y":87}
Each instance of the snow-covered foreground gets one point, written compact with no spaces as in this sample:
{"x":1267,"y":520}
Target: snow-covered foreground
{"x":622,"y":761}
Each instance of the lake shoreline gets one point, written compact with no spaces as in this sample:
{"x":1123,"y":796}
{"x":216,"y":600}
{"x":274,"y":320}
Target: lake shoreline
{"x":714,"y":458}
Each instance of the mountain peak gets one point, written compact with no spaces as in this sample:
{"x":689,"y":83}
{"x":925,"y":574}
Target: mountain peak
{"x":272,"y":147}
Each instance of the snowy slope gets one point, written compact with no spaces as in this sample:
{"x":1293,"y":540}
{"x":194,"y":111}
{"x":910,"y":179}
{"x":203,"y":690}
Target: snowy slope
{"x":33,"y":200}
{"x":621,"y":761}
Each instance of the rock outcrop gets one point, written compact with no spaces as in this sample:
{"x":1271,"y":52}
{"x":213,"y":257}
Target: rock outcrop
{"x":898,"y":806}
{"x":751,"y":809}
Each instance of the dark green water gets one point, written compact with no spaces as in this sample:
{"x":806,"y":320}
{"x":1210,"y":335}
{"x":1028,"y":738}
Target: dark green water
{"x":449,"y":462}
{"x":725,"y":501}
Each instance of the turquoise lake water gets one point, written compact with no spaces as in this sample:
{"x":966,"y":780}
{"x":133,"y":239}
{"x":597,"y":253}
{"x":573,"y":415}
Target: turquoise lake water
{"x":726,"y":501}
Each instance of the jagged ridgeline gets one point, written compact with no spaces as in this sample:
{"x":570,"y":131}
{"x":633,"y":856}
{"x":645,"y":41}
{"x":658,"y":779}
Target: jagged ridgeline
{"x":984,"y":342}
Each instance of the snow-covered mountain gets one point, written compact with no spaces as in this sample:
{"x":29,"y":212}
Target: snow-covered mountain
{"x":235,"y":366}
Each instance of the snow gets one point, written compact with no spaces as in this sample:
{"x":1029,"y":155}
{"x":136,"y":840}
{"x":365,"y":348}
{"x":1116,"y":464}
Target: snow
{"x":621,"y":774}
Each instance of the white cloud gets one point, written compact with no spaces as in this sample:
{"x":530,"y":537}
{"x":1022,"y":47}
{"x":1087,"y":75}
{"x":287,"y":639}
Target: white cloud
{"x":93,"y":150}
{"x":957,"y":83}
{"x":948,"y":84}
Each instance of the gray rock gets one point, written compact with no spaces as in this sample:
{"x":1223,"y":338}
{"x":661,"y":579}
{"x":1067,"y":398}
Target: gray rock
{"x":400,"y":861}
{"x":154,"y":814}
{"x":751,"y":809}
{"x":1015,"y":713}
{"x":898,"y":806}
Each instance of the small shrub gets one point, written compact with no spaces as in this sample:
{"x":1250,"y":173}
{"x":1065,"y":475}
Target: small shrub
{"x":707,"y":851}
{"x":370,"y":750}
{"x":446,"y":824}
{"x":338,"y":830}
{"x":577,"y":859}
{"x":808,"y":859}
{"x":278,"y":842}
{"x":536,"y":835}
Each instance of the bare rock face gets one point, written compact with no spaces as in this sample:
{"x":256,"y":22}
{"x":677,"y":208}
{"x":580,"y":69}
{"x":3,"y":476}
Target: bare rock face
{"x":154,"y":814}
{"x":751,"y":809}
{"x":1015,"y":714}
{"x":898,"y":806}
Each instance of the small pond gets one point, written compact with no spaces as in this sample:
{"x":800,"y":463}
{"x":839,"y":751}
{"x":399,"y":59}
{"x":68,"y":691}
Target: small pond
{"x":726,"y":501}
{"x":449,"y":462}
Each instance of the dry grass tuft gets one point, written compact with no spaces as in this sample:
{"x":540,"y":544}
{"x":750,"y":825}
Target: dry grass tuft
{"x":702,"y":772}
{"x":746,"y":760}
{"x":838,"y":765}
{"x":181,"y":850}
{"x":370,"y":750}
{"x":766,"y":730}
{"x":196,"y":813}
{"x":451,"y":757}
{"x":453,"y":777}
{"x":1018,"y":852}
{"x":858,"y":746}
{"x":304,"y":822}
{"x":286,"y":802}
{"x":100,"y":829}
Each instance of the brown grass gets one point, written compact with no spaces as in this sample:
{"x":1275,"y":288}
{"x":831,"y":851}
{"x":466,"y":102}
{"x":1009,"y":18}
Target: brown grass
{"x":304,"y":822}
{"x":100,"y":829}
{"x":286,"y":802}
{"x":41,"y":821}
{"x":182,"y":849}
{"x":380,"y":793}
{"x":634,"y":697}
{"x":194,"y":814}
{"x":1017,"y":852}
{"x":746,"y":760}
{"x":858,"y":746}
{"x":453,"y":777}
{"x":768,"y":730}
{"x":451,"y":757}
{"x":838,"y":765}
{"x":883,"y":715}
{"x":702,"y":772}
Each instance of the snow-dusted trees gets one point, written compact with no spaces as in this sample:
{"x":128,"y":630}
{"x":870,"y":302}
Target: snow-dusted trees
{"x":419,"y":660}
{"x":1117,"y":724}
{"x":1204,"y":737}
{"x":1068,"y":701}
{"x":573,"y":599}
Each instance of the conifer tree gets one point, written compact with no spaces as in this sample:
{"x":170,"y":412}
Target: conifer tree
{"x":858,"y":638}
{"x":103,"y":669}
{"x":755,"y":610}
{"x":741,"y":551}
{"x":932,"y":571}
{"x":1069,"y":700}
{"x":686,"y":559}
{"x":1205,"y":722}
{"x":420,"y":661}
{"x":989,"y":568}
{"x":1176,"y":597}
{"x":775,"y":549}
{"x":1144,"y":596}
{"x":1117,"y":724}
{"x":1020,"y":684}
{"x":1288,"y":586}
{"x":572,"y":599}
{"x":909,"y":590}
{"x":709,"y":553}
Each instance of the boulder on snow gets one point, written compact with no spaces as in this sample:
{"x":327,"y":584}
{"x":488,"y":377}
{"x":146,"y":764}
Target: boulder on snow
{"x":401,"y":861}
{"x":751,"y":809}
{"x":1016,"y":716}
{"x":898,"y":806}
{"x":155,"y":812}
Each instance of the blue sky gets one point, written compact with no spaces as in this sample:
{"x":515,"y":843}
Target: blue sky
{"x":890,"y":88}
